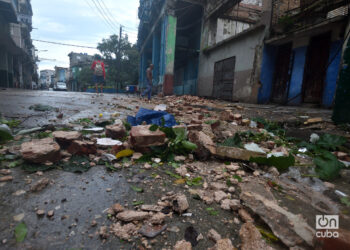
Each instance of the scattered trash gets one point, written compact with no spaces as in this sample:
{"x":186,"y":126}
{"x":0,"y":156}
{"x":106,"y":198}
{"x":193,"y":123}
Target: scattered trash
{"x":42,"y":108}
{"x":21,"y":232}
{"x":5,"y":133}
{"x":159,"y":118}
{"x":340,"y":193}
{"x":160,"y":107}
{"x":108,"y":142}
{"x":314,"y":138}
{"x":254,"y":148}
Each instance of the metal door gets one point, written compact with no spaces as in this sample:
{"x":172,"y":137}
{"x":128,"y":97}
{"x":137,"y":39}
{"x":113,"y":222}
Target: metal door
{"x":316,"y":68}
{"x":224,"y":72}
{"x":282,"y":73}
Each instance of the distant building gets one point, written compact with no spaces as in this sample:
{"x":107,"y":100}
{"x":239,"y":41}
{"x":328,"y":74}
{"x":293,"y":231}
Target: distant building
{"x":77,"y":61}
{"x":47,"y":78}
{"x":17,"y":54}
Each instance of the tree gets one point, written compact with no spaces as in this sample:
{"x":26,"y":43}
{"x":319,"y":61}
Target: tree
{"x":122,"y":59}
{"x":85,"y":77}
{"x":341,"y":113}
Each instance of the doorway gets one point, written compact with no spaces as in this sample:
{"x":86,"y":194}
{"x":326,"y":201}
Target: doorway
{"x":316,"y":68}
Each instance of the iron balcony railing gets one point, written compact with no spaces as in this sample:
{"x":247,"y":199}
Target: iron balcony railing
{"x":291,"y":14}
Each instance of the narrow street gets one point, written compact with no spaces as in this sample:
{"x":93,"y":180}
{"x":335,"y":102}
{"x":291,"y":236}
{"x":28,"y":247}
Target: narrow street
{"x":74,"y":205}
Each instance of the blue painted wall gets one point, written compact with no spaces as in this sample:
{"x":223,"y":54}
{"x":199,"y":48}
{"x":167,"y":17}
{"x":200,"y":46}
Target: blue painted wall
{"x":267,"y":73}
{"x":162,"y":62}
{"x":156,"y":56}
{"x":332,"y":74}
{"x":296,"y":81}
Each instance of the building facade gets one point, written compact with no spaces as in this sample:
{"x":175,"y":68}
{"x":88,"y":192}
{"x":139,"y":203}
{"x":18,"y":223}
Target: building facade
{"x":17,"y":53}
{"x":256,"y":51}
{"x":47,"y":78}
{"x":303,"y":53}
{"x":77,"y":61}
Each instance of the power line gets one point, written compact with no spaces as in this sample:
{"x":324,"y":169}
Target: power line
{"x":103,"y":15}
{"x":99,"y":16}
{"x":115,"y":20}
{"x":64,"y":44}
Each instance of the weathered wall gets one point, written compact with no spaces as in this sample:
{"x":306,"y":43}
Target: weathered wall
{"x":243,"y":47}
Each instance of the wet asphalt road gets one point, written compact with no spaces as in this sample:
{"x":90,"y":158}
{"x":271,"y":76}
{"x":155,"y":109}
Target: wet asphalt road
{"x":15,"y":104}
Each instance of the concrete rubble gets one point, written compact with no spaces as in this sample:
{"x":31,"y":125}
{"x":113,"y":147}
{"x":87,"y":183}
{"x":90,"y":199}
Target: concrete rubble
{"x":218,"y":182}
{"x":41,"y":151}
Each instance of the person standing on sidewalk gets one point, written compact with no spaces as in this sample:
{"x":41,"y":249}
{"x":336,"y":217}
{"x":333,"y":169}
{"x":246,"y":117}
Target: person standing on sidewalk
{"x":148,"y":90}
{"x":98,"y":67}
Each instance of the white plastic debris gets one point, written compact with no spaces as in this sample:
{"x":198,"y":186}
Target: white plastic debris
{"x":234,"y":124}
{"x":108,"y":157}
{"x":160,"y":107}
{"x":187,"y":215}
{"x":253,"y":124}
{"x":346,"y":163}
{"x":302,"y":150}
{"x":94,"y":130}
{"x":276,"y":154}
{"x":340,"y":193}
{"x":108,"y":142}
{"x":254,"y":148}
{"x":156,"y":160}
{"x":314,"y":138}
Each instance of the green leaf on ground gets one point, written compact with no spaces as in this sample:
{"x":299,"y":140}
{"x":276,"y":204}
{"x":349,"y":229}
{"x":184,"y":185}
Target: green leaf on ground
{"x":281,"y":163}
{"x":136,"y":189}
{"x":195,"y":181}
{"x":345,"y":201}
{"x":327,"y":166}
{"x":267,"y":235}
{"x":212,"y":211}
{"x":5,"y":133}
{"x":233,"y":142}
{"x":237,"y":177}
{"x":173,"y":175}
{"x":137,"y":203}
{"x":21,"y":232}
{"x":153,"y":128}
{"x":189,"y":145}
{"x":331,"y":142}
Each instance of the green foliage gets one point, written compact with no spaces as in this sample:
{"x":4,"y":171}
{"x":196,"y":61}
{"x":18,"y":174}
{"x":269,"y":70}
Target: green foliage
{"x":281,"y":163}
{"x":172,"y":174}
{"x":122,"y":57}
{"x":177,"y":145}
{"x":212,"y":211}
{"x":210,"y":122}
{"x":198,"y":181}
{"x":137,"y":203}
{"x":21,"y":232}
{"x":328,"y":166}
{"x":5,"y":134}
{"x":127,"y":126}
{"x":85,"y":77}
{"x":43,"y":135}
{"x":345,"y":201}
{"x":11,"y":123}
{"x":286,"y":22}
{"x":136,"y":189}
{"x":235,"y":142}
{"x":270,"y":126}
{"x":267,"y":235}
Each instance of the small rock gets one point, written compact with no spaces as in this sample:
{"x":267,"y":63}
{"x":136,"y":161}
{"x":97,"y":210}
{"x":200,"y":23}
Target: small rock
{"x":183,"y":245}
{"x":117,"y":208}
{"x":93,"y":223}
{"x":152,"y":231}
{"x":40,"y":213}
{"x":273,"y":171}
{"x":124,"y":232}
{"x":129,"y":216}
{"x":108,"y":190}
{"x":217,"y":186}
{"x":5,"y":171}
{"x":6,"y":178}
{"x":40,"y":185}
{"x":18,"y":217}
{"x":230,"y":204}
{"x":213,"y":235}
{"x":180,"y":204}
{"x":231,"y":190}
{"x":180,"y":158}
{"x":219,"y":196}
{"x":245,"y":216}
{"x":157,"y":219}
{"x":51,"y":213}
{"x":103,"y":232}
{"x":251,"y":238}
{"x":223,"y":244}
{"x":116,"y":132}
{"x":65,"y":138}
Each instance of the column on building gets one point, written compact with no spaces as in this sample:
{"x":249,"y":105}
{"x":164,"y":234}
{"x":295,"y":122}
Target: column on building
{"x":167,"y":58}
{"x":156,"y":57}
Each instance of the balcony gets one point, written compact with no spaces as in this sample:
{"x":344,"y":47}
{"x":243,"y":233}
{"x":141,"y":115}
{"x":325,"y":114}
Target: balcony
{"x":291,"y":15}
{"x":8,"y":8}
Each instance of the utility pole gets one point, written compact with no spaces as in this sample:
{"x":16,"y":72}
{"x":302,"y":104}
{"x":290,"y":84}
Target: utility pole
{"x":119,"y":56}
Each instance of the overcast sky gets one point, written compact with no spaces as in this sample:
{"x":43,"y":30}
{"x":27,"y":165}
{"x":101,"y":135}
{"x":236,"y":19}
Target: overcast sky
{"x":78,"y":22}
